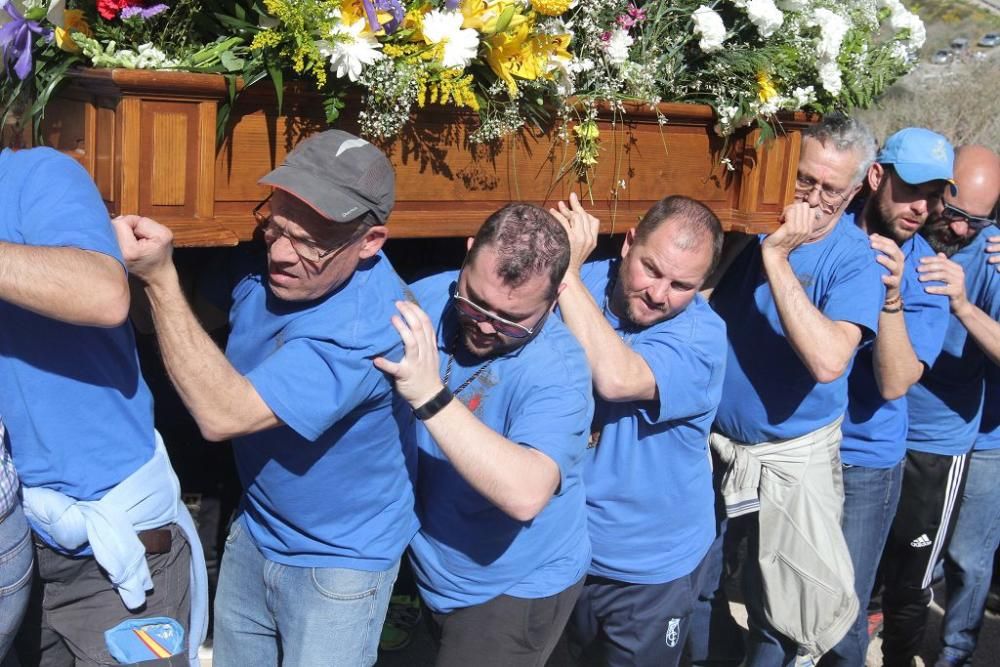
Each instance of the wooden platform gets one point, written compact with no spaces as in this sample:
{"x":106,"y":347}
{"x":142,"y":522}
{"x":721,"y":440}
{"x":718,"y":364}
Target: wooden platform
{"x":148,"y":139}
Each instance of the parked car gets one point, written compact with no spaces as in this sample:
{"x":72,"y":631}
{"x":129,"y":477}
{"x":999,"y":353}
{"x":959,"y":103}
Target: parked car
{"x":990,"y":39}
{"x":942,"y":57}
{"x":959,"y":44}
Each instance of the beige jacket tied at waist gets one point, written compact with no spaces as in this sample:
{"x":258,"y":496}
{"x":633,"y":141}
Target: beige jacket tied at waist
{"x":806,"y":570}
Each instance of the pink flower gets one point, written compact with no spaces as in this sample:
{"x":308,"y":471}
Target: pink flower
{"x":631,"y":18}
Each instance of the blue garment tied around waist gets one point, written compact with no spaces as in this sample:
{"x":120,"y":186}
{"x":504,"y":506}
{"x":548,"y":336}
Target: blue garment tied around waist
{"x":148,"y":498}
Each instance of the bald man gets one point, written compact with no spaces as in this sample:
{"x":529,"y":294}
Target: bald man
{"x":959,"y":231}
{"x":945,"y":411}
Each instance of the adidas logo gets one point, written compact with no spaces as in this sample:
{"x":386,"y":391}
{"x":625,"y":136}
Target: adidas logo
{"x":922,"y":541}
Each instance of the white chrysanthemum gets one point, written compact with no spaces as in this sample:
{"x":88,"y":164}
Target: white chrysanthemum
{"x":804,"y":96}
{"x":765,"y":15}
{"x":352,"y":49}
{"x":903,"y":19}
{"x":617,"y":46}
{"x":830,"y":77}
{"x":708,"y":24}
{"x":832,"y":28}
{"x":445,"y":28}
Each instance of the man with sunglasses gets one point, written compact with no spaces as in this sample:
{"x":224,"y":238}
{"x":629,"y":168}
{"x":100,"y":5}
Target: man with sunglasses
{"x":797,"y":303}
{"x":328,"y":504}
{"x":503,"y":393}
{"x":906,"y":181}
{"x":656,"y":351}
{"x":953,"y":433}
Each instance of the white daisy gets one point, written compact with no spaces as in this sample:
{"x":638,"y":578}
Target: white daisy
{"x":351,"y":49}
{"x":459,"y":44}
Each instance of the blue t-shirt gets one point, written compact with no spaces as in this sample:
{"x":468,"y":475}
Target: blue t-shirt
{"x":79,"y":414}
{"x":468,"y":551}
{"x":650,"y":504}
{"x":331,"y":488}
{"x":946,"y":405}
{"x":875,"y":429}
{"x":989,"y":426}
{"x":768,"y":393}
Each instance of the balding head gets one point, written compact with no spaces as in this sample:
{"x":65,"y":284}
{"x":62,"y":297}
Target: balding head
{"x":959,"y":217}
{"x":977,"y":175}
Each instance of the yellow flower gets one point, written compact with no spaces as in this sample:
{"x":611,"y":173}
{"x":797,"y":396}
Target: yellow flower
{"x":485,"y":15}
{"x":509,"y":54}
{"x":765,"y":87}
{"x":550,"y":7}
{"x":518,"y":53}
{"x":73,"y":21}
{"x":587,"y":131}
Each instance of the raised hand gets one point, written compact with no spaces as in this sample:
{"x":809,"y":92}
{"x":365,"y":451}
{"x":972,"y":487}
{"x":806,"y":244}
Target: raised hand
{"x":943,"y":270}
{"x":147,"y":246}
{"x":994,"y":251}
{"x":417,"y":375}
{"x":581,"y":227}
{"x":797,"y":226}
{"x":891,"y":257}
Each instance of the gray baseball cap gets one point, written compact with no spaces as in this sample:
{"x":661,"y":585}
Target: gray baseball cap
{"x":339,"y":175}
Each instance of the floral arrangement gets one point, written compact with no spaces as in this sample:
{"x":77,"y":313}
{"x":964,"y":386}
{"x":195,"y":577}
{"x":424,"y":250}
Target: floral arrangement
{"x":40,"y":40}
{"x":514,"y":62}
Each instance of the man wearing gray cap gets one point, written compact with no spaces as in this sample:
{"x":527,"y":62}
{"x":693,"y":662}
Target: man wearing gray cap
{"x":328,"y":503}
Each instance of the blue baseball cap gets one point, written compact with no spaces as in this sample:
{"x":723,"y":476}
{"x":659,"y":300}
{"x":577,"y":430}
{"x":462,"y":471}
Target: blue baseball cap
{"x":919,"y":155}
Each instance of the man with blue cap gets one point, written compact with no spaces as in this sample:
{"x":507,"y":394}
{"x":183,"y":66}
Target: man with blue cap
{"x":945,"y":406}
{"x":906,"y":182}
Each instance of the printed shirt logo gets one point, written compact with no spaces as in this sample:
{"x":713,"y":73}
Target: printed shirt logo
{"x":673,"y":631}
{"x":939,"y":152}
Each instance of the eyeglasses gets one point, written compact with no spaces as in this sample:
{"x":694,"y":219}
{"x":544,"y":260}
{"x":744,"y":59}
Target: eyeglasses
{"x":306,"y":250}
{"x":975,"y":222}
{"x":477,"y":313}
{"x":829,"y":200}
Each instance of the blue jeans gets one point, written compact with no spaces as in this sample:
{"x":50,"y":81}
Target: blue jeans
{"x":15,"y":574}
{"x":267,"y":613}
{"x":870,"y":499}
{"x":968,"y":564}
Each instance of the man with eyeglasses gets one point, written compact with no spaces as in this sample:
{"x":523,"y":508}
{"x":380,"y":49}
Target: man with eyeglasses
{"x":906,"y":181}
{"x":328,"y":504}
{"x":503,"y":394}
{"x":797,"y":303}
{"x":656,"y":351}
{"x":953,"y":443}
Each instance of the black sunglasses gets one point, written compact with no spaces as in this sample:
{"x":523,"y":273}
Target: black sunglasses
{"x":976,"y":222}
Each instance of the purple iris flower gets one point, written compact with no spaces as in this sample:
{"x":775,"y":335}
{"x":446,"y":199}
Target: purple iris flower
{"x":144,"y":12}
{"x":392,"y":6}
{"x":16,"y":40}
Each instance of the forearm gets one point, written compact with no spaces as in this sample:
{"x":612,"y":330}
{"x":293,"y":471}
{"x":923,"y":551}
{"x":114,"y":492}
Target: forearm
{"x":67,"y":284}
{"x":982,"y":328}
{"x":824,"y":348}
{"x":619,"y":373}
{"x":223,"y":403}
{"x":896,"y":365}
{"x":519,"y":480}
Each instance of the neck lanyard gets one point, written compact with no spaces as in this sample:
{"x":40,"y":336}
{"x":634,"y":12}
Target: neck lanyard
{"x":472,"y":378}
